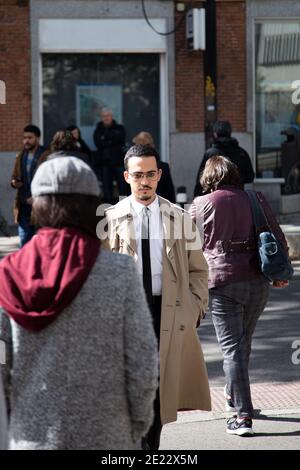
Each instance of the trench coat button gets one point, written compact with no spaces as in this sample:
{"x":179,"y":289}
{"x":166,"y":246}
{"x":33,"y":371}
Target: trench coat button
{"x":182,"y":328}
{"x":178,"y":303}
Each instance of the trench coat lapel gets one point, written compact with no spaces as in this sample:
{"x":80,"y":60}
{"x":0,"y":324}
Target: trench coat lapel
{"x":125,"y":227}
{"x":169,"y":231}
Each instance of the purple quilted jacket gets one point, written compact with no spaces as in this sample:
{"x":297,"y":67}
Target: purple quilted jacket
{"x":225,"y":221}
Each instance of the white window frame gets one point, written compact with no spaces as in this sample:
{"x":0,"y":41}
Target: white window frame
{"x":257,"y":20}
{"x":158,"y":46}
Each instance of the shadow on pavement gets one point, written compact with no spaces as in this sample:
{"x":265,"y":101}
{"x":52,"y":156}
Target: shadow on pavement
{"x":276,"y":434}
{"x":282,"y":419}
{"x":276,"y":331}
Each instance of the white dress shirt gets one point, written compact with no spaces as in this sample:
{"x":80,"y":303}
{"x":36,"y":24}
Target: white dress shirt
{"x":156,"y":241}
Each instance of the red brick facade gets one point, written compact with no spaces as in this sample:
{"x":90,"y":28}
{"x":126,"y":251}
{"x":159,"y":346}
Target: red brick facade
{"x":231,"y":71}
{"x":232,"y":77}
{"x":14,"y":71}
{"x":189,"y":82}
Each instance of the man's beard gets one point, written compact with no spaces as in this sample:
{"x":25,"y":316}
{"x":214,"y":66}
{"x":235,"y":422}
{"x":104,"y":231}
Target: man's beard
{"x":29,"y":147}
{"x":145,"y":197}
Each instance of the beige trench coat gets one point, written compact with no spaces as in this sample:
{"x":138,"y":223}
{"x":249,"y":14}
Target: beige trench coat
{"x":183,"y":375}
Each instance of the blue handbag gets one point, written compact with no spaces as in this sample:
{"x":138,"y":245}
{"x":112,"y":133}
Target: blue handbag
{"x":274,"y":261}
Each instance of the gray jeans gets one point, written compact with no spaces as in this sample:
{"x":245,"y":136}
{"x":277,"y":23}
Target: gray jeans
{"x":235,"y":310}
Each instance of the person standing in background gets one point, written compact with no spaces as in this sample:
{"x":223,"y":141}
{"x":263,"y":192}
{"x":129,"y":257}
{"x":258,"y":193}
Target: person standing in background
{"x":63,"y":144}
{"x":26,"y":164}
{"x":109,"y":138}
{"x":79,"y":142}
{"x":227,"y":146}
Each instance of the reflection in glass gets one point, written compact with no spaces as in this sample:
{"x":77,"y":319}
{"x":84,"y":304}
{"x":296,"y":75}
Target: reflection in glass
{"x":277,"y":57}
{"x":77,"y":86}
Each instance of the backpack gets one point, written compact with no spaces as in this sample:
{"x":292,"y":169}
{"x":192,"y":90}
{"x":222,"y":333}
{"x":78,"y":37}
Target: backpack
{"x":273,"y":260}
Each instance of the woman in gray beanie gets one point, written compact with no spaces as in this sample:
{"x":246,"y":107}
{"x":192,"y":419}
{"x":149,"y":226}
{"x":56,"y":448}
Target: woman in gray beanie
{"x":82,"y":369}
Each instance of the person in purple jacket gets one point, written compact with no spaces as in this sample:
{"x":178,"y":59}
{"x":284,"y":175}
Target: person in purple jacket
{"x":238,"y":289}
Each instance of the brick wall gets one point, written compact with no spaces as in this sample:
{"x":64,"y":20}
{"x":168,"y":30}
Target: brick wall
{"x":14,"y":71}
{"x":232,"y":77}
{"x":231,"y":90}
{"x":231,"y":69}
{"x":189,"y":82}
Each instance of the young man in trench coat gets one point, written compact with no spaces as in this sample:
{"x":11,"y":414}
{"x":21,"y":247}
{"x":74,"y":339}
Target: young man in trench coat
{"x":178,"y":292}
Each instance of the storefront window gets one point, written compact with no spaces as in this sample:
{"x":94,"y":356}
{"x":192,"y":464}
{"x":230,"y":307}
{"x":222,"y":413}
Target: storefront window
{"x":77,"y":86}
{"x":277,"y":57}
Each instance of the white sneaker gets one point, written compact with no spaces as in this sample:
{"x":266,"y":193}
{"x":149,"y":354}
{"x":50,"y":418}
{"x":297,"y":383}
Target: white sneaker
{"x":241,"y":427}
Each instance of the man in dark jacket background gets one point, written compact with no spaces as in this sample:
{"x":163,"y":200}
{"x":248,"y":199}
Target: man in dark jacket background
{"x":25,"y":166}
{"x":226,"y":146}
{"x":109,"y":138}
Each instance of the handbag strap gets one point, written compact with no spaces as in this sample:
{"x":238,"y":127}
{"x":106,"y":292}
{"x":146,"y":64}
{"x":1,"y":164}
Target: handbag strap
{"x":259,"y":217}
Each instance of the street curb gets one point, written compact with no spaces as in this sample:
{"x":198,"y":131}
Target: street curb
{"x":187,"y":417}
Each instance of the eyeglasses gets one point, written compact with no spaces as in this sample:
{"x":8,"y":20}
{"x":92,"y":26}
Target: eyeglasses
{"x":138,"y":176}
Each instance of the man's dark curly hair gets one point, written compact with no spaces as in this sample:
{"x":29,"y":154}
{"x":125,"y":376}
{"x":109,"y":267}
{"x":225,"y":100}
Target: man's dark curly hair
{"x":141,"y":151}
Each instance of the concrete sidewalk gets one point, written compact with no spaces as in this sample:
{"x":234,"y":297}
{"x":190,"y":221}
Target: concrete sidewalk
{"x":275,"y":384}
{"x":272,"y":432}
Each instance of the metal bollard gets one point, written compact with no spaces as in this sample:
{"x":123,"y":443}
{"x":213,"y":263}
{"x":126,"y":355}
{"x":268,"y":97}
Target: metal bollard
{"x":181,"y":196}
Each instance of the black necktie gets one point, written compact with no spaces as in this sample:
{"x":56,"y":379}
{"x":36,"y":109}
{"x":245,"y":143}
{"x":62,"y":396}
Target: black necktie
{"x":147,"y":277}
